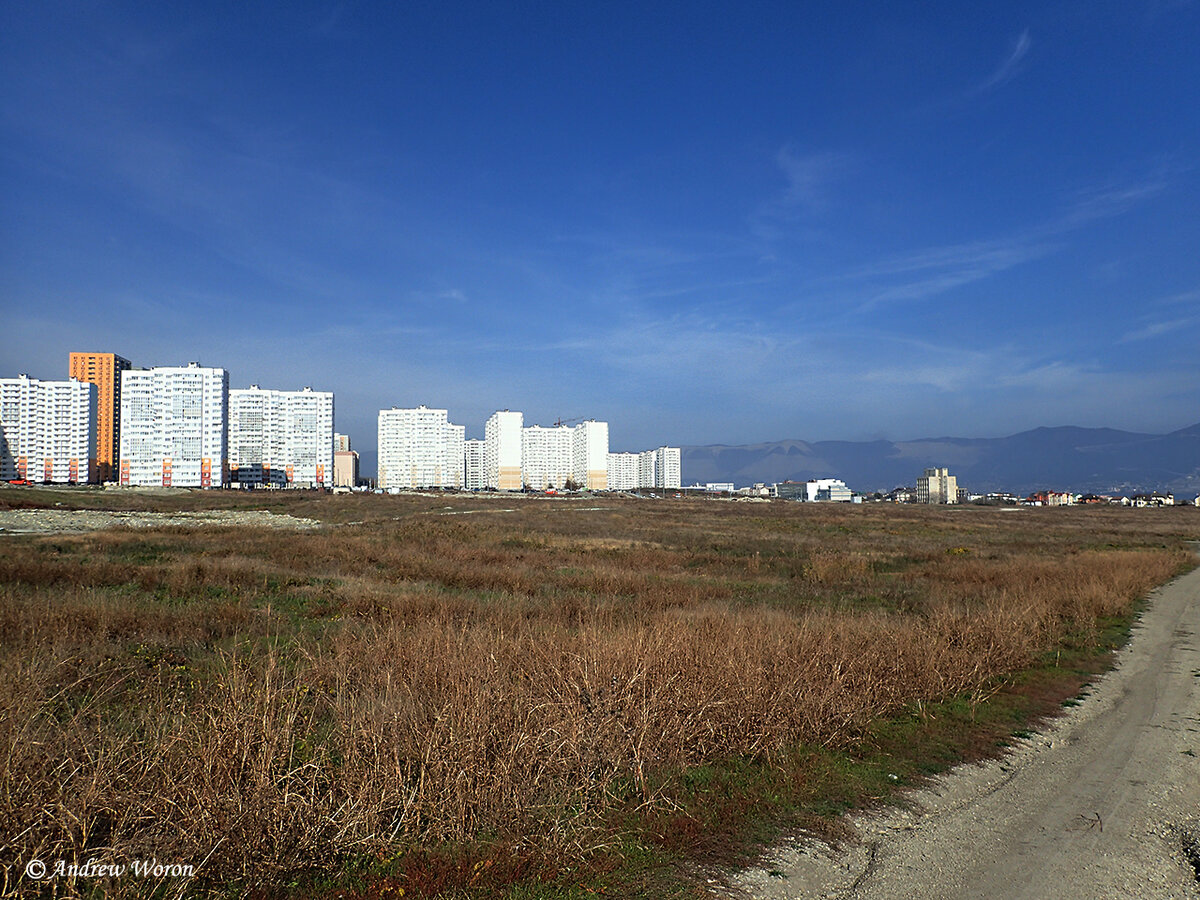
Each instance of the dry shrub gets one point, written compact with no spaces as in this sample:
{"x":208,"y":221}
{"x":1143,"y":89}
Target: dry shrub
{"x":825,"y":566}
{"x":475,"y":683}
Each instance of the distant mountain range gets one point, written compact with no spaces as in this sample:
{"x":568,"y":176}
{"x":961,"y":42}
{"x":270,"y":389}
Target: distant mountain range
{"x":1087,"y":460}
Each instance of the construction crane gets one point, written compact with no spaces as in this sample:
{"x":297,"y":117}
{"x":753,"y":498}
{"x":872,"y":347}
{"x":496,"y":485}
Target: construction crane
{"x":560,"y":422}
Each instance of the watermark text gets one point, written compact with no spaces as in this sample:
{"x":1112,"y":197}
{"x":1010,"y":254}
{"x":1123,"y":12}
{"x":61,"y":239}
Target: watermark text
{"x":41,"y":870}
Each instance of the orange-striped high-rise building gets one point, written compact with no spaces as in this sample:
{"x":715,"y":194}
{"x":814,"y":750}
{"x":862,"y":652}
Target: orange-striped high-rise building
{"x":103,"y":370}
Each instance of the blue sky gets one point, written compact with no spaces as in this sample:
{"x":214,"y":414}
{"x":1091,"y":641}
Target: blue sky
{"x":704,"y":222}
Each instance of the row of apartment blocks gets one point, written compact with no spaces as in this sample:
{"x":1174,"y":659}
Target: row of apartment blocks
{"x":182,"y":426}
{"x":63,"y":431}
{"x":421,"y":448}
{"x":649,"y":469}
{"x":163,"y":426}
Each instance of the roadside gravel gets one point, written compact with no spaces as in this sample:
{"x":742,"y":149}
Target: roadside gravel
{"x":1103,"y":803}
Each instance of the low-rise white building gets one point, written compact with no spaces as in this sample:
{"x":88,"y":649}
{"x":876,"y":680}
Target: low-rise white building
{"x":829,"y":490}
{"x":814,"y":490}
{"x":47,"y":430}
{"x":174,"y":426}
{"x":1154,"y":498}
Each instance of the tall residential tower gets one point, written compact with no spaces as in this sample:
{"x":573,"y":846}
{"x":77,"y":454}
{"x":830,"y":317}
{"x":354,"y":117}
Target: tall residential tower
{"x":104,"y":371}
{"x":502,"y":450}
{"x":419,"y":448}
{"x":281,"y":438}
{"x":173,"y":426}
{"x":47,"y":430}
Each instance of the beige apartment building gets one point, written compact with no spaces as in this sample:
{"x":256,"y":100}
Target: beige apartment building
{"x":502,"y":450}
{"x":104,"y":371}
{"x":937,"y":486}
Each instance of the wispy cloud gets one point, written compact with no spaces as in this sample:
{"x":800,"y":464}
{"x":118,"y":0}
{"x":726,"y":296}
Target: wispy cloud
{"x":1159,"y":329}
{"x":1166,"y":325}
{"x":1009,"y":67}
{"x":808,"y":177}
{"x":1105,"y":202}
{"x":1189,"y":297}
{"x":774,"y":384}
{"x":935,"y":270}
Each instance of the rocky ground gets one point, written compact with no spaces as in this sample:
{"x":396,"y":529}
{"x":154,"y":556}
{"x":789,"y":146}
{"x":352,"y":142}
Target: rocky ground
{"x":72,"y":521}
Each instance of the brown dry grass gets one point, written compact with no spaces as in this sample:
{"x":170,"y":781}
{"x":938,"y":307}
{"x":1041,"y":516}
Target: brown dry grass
{"x":269,"y":702}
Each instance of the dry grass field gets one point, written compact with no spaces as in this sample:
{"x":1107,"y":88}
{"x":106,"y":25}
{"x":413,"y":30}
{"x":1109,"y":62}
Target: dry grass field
{"x":476,"y":696}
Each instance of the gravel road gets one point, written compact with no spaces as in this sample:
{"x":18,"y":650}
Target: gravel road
{"x":1103,"y":803}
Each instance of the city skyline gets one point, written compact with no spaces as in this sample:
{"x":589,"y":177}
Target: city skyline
{"x":723,"y":224}
{"x":287,"y":438}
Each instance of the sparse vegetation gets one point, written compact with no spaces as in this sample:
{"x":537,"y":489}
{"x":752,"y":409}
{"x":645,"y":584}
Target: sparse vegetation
{"x":572,"y":696}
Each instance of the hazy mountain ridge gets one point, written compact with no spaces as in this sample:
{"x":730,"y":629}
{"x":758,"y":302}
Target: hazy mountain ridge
{"x":1098,"y":460}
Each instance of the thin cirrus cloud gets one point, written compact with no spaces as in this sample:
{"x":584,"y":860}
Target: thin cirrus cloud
{"x":1008,"y":68}
{"x":890,"y":380}
{"x":936,"y":270}
{"x":809,"y":179}
{"x":1166,"y":324}
{"x":941,"y":269}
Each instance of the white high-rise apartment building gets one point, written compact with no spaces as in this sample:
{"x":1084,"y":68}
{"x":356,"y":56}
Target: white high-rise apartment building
{"x":47,"y":430}
{"x":502,"y":451}
{"x":419,"y":448}
{"x":308,"y":437}
{"x":174,"y":426}
{"x":474,"y":454}
{"x":937,"y":486}
{"x":282,"y":438}
{"x":256,"y":437}
{"x":551,"y":456}
{"x":622,"y":471}
{"x":590,"y":455}
{"x":649,"y":469}
{"x":647,"y":461}
{"x":667,"y":468}
{"x":456,"y":440}
{"x":547,"y":456}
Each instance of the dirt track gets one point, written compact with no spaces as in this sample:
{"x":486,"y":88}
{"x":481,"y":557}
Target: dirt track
{"x":1104,"y":803}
